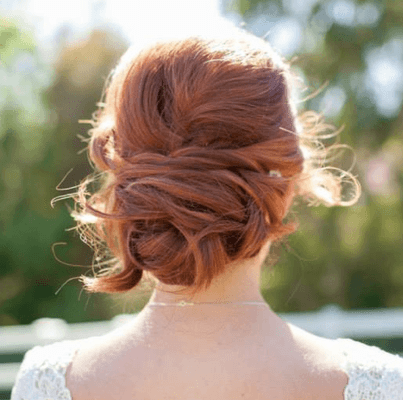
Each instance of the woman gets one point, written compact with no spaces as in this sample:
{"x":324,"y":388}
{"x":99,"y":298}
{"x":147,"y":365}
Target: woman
{"x":201,"y":154}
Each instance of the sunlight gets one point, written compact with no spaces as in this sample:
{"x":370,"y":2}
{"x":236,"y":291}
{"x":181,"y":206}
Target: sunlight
{"x":140,"y":22}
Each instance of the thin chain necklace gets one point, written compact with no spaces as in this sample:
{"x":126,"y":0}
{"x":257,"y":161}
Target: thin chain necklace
{"x":183,"y":303}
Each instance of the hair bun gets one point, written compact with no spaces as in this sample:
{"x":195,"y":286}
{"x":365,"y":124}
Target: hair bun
{"x":187,"y":139}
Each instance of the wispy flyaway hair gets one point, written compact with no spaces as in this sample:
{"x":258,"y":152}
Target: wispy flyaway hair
{"x":199,"y":152}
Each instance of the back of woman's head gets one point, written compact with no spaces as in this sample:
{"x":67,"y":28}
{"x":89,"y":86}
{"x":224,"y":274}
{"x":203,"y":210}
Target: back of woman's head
{"x":200,"y":157}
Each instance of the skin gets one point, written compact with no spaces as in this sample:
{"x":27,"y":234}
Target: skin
{"x":209,"y":351}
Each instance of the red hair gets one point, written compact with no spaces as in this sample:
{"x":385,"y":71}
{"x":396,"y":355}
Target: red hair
{"x":198,"y":148}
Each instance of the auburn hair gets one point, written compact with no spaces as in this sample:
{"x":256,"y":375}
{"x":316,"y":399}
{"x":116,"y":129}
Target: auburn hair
{"x":198,"y":151}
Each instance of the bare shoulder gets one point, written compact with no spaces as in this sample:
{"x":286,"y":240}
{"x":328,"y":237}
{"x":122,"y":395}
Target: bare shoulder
{"x":320,"y":350}
{"x":82,"y":369}
{"x":296,"y":365}
{"x":95,"y":365}
{"x":322,"y":363}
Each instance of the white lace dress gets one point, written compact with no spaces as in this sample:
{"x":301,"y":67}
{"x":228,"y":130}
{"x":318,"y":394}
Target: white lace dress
{"x":373,"y":374}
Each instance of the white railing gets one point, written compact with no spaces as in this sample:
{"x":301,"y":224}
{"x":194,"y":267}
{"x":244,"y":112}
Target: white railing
{"x":330,"y":321}
{"x":333,"y":322}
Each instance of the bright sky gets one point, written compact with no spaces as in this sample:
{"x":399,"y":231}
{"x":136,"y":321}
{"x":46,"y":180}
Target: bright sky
{"x":145,"y":21}
{"x":141,"y":21}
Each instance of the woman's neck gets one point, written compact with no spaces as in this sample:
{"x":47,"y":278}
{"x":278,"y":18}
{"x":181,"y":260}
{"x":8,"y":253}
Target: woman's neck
{"x":231,"y":305}
{"x":239,"y":283}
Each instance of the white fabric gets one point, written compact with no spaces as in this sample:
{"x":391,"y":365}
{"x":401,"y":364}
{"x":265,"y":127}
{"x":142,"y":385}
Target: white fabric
{"x":42,"y":372}
{"x":373,"y":374}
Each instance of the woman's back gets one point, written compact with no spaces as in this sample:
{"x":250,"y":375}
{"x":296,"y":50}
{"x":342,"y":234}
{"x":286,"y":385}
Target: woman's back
{"x":118,"y":366}
{"x":139,"y":363}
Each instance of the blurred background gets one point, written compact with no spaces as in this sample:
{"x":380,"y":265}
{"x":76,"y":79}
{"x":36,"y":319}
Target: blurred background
{"x":54,"y":59}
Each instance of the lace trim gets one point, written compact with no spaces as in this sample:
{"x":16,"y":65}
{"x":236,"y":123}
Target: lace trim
{"x":373,"y":373}
{"x":43,"y":371}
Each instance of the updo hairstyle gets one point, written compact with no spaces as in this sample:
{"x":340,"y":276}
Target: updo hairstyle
{"x":198,"y":153}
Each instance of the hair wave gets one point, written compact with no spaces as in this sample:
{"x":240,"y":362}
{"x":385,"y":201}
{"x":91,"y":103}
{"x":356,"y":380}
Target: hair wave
{"x":185,"y":146}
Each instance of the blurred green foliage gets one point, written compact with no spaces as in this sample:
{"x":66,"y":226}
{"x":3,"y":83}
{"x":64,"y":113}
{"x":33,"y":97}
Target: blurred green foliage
{"x":40,"y":108}
{"x":350,"y":256}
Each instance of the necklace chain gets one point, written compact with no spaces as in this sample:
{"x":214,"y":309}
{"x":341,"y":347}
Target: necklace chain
{"x":183,"y":303}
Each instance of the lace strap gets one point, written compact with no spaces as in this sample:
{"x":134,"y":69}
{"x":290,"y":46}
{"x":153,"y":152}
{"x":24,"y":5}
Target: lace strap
{"x":373,"y":373}
{"x":43,"y":370}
